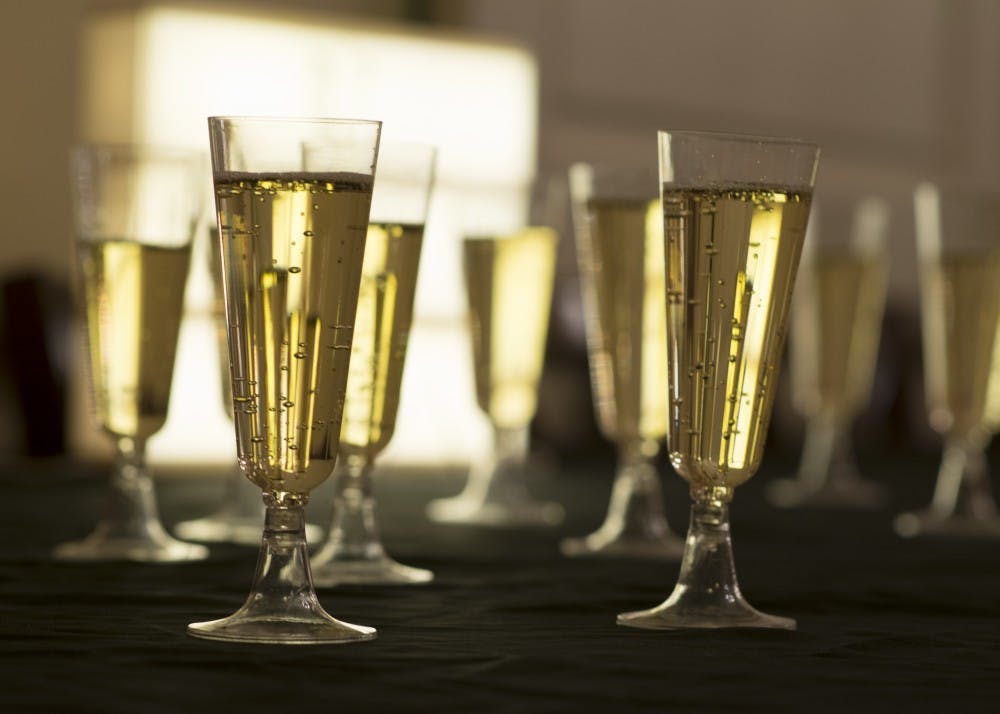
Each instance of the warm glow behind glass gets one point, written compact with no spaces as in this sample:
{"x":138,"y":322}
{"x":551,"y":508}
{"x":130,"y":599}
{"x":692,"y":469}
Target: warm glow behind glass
{"x":154,"y":75}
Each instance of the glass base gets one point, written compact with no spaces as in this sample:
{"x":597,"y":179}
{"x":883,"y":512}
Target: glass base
{"x":311,"y":627}
{"x":674,"y":617}
{"x":230,"y":529}
{"x":929,"y":523}
{"x":100,"y":545}
{"x":835,"y":493}
{"x":666,"y":547}
{"x":474,"y":511}
{"x":381,"y":571}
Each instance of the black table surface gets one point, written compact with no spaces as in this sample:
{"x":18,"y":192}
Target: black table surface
{"x":508,"y":624}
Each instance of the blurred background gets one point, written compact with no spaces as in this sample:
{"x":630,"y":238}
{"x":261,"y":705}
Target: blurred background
{"x":893,"y":90}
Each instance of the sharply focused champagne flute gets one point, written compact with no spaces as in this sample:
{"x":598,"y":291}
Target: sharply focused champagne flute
{"x":354,"y":552}
{"x":836,"y":324}
{"x":619,"y":240}
{"x":137,"y":210}
{"x":735,"y":210}
{"x":508,"y":280}
{"x":293,"y":197}
{"x":241,"y":516}
{"x":958,"y":246}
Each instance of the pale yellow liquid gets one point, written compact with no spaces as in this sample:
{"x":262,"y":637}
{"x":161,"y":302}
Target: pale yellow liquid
{"x":961,"y":318}
{"x":621,"y":260}
{"x":836,"y":323}
{"x":134,"y":297}
{"x":378,"y":352}
{"x":509,"y":286}
{"x":731,"y":259}
{"x":292,"y":250}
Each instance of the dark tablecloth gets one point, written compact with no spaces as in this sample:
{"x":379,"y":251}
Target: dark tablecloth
{"x":508,"y":625}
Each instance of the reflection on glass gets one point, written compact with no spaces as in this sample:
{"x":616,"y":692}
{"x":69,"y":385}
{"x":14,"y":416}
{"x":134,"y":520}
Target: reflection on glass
{"x":293,"y":198}
{"x":735,"y":211}
{"x":509,"y":285}
{"x":836,"y":324}
{"x":619,"y":238}
{"x":958,"y":242}
{"x":354,"y":552}
{"x":137,"y":211}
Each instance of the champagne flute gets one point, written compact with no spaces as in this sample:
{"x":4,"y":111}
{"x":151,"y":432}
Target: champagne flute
{"x":354,"y":552}
{"x":735,"y":210}
{"x":293,"y":197}
{"x":619,"y":240}
{"x":508,"y":280}
{"x":241,"y":516}
{"x":137,"y":210}
{"x":958,"y":245}
{"x":836,"y":323}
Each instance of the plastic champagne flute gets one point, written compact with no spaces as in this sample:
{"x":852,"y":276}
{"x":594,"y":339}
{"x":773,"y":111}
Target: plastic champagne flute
{"x":293,"y":198}
{"x":735,"y":210}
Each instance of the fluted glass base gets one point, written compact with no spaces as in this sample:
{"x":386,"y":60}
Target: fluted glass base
{"x":130,"y":528}
{"x":963,"y":505}
{"x":634,"y":526}
{"x":707,"y":594}
{"x":282,"y":607}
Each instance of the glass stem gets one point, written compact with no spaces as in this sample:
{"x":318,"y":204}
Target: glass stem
{"x":963,"y":482}
{"x":818,"y":454}
{"x":283,"y":580}
{"x":504,"y":479}
{"x":636,"y":506}
{"x":354,"y":530}
{"x":130,"y":509}
{"x":707,"y":580}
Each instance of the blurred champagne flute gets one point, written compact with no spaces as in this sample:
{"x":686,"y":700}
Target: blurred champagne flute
{"x":354,"y":552}
{"x":508,"y":281}
{"x":735,"y":210}
{"x":293,"y":197}
{"x":619,"y":240}
{"x":958,"y":246}
{"x":137,"y":210}
{"x":836,"y":324}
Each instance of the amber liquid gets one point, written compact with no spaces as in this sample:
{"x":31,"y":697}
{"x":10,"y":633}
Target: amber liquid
{"x":378,"y":352}
{"x":731,"y":259}
{"x":621,"y":260}
{"x":836,"y":323}
{"x":134,"y":298}
{"x":292,"y":250}
{"x":961,"y":320}
{"x":509,"y":287}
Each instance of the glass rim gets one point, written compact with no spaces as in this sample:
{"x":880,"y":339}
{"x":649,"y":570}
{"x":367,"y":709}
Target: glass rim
{"x":738,"y":137}
{"x":260,"y":119}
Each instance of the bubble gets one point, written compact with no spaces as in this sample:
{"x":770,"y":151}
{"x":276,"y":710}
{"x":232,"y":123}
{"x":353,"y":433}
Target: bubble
{"x":295,"y":269}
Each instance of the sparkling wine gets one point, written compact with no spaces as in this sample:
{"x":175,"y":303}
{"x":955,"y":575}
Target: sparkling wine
{"x":134,"y":297}
{"x":961,"y":320}
{"x":836,"y":323}
{"x":292,"y":250}
{"x":509,"y":285}
{"x":731,"y":256}
{"x":621,"y":259}
{"x":381,"y":331}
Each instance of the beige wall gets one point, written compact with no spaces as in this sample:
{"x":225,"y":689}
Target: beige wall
{"x":893,"y":90}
